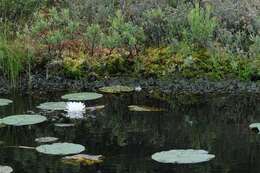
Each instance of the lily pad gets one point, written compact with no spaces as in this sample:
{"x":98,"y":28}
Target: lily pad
{"x":4,"y":102}
{"x":60,"y":149}
{"x":144,"y":109}
{"x":46,"y":139}
{"x":21,"y":120}
{"x":53,"y":106}
{"x":116,"y":89}
{"x":255,"y":126}
{"x":83,"y":96}
{"x":64,"y":125}
{"x":95,"y":108}
{"x":182,"y":156}
{"x":5,"y":169}
{"x":83,"y":159}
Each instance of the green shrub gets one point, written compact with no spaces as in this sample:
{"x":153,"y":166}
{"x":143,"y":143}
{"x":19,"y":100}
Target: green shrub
{"x":255,"y":47}
{"x":202,"y":26}
{"x":54,"y":30}
{"x":93,"y":36}
{"x":156,"y":26}
{"x":122,"y":34}
{"x":15,"y":9}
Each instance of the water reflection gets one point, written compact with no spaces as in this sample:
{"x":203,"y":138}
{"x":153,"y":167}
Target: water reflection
{"x":217,"y":123}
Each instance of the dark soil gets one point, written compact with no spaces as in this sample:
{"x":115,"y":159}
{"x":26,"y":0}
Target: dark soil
{"x":55,"y":83}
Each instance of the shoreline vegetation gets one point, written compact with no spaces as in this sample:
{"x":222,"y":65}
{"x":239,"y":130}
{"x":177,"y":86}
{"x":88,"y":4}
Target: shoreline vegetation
{"x":88,"y":42}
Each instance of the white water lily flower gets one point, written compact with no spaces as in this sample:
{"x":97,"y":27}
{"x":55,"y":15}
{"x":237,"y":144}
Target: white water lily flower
{"x":75,"y":110}
{"x":138,"y":88}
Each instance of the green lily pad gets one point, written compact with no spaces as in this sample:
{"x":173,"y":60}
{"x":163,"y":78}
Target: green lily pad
{"x":255,"y":126}
{"x":183,"y":156}
{"x":144,"y":109}
{"x":116,"y":89}
{"x":5,"y":169}
{"x":4,"y":102}
{"x":46,"y":139}
{"x":84,"y":96}
{"x":95,"y":108}
{"x":21,"y":120}
{"x":53,"y":106}
{"x":60,"y":149}
{"x":84,"y":159}
{"x":64,"y":125}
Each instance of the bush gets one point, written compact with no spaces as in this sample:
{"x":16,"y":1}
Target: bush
{"x":123,"y":34}
{"x":94,"y":37}
{"x":255,"y":47}
{"x":156,"y":26}
{"x":55,"y":31}
{"x":202,"y":26}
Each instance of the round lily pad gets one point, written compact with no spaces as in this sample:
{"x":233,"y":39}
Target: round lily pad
{"x":53,"y":106}
{"x":255,"y":126}
{"x":116,"y":89}
{"x":182,"y":156}
{"x":144,"y":109}
{"x":60,"y":149}
{"x":64,"y":125}
{"x":5,"y":169}
{"x":4,"y":102}
{"x":46,"y":139}
{"x":21,"y":120}
{"x":83,"y":96}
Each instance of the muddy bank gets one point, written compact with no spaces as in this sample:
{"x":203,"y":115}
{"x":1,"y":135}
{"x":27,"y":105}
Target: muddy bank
{"x":40,"y":84}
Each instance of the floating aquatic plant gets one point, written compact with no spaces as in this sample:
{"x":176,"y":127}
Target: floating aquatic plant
{"x":46,"y":139}
{"x":4,"y":102}
{"x":182,"y":156}
{"x":5,"y":169}
{"x":116,"y":89}
{"x":53,"y":106}
{"x":144,"y":109}
{"x":64,"y":125}
{"x":83,"y":96}
{"x":21,"y":120}
{"x":84,"y":159}
{"x":60,"y":148}
{"x":75,"y":110}
{"x":255,"y":126}
{"x":138,"y":88}
{"x":95,"y":108}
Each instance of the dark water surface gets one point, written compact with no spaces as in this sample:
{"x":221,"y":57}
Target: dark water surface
{"x":217,"y":123}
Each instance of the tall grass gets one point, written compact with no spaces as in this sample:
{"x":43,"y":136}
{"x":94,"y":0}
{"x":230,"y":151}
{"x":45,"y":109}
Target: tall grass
{"x":12,"y":58}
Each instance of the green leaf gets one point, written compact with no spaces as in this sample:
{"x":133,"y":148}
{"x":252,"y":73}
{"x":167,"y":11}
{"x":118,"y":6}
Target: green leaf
{"x":116,"y":89}
{"x":4,"y":102}
{"x":182,"y":156}
{"x":84,"y":96}
{"x":5,"y":169}
{"x":54,"y":106}
{"x":46,"y":139}
{"x":60,"y":149}
{"x":21,"y":120}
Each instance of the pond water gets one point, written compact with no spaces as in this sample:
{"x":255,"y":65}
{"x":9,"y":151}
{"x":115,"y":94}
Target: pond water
{"x":216,"y":123}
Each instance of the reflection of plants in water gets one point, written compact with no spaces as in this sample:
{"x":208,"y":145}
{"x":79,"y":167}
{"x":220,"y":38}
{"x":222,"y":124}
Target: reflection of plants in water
{"x":17,"y":135}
